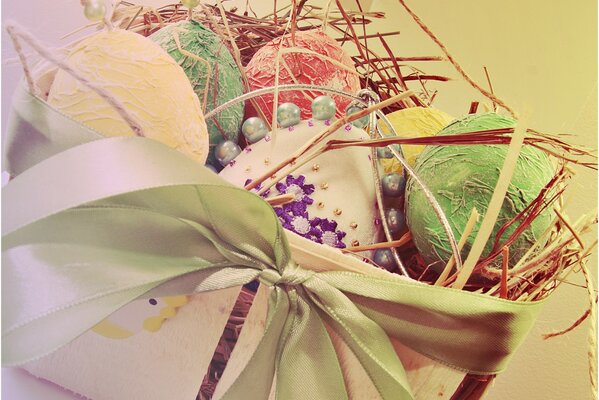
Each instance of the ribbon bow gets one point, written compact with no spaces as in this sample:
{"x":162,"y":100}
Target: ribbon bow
{"x":98,"y":225}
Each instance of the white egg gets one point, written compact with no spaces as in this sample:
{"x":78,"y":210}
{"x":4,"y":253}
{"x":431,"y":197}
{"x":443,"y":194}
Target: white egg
{"x":335,"y":200}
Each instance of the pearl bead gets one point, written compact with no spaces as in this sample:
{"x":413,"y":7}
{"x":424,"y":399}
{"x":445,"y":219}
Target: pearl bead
{"x":226,"y":151}
{"x":323,"y":107}
{"x":396,"y":220}
{"x":393,"y":184}
{"x":190,"y":3}
{"x":254,"y":129}
{"x":385,"y":152}
{"x":288,"y":114}
{"x":94,"y":10}
{"x":384,"y":258}
{"x":359,"y":123}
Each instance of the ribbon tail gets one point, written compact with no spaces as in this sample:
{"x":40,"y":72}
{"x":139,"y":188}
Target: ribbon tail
{"x":308,"y":367}
{"x":365,"y":338}
{"x":255,"y":380}
{"x":469,"y":332}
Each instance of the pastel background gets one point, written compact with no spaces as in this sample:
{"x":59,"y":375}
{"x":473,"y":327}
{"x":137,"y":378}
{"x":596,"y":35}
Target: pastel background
{"x":542,"y":58}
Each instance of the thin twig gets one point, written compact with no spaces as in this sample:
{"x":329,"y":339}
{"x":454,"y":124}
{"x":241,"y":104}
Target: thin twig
{"x":490,"y":88}
{"x":504,"y":270}
{"x":457,"y":66}
{"x":405,"y":239}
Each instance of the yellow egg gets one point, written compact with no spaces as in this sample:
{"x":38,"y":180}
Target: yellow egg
{"x":413,"y":122}
{"x":148,"y":82}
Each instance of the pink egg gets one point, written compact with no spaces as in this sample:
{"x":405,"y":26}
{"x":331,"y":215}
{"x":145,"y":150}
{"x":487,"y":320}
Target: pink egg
{"x":331,"y":67}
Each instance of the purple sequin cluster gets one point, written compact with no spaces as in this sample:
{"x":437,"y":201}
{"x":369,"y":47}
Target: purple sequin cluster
{"x":294,"y":216}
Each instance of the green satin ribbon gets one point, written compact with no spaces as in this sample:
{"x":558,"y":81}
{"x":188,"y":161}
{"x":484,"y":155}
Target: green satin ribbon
{"x":98,"y":225}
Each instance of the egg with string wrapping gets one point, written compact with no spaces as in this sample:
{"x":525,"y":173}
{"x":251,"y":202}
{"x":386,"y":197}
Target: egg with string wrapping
{"x":212,"y":71}
{"x":464,"y":177}
{"x":145,"y":79}
{"x":319,"y":60}
{"x":334,"y":195}
{"x":413,"y":122}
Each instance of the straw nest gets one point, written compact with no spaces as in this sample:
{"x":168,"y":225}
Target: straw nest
{"x":559,"y":252}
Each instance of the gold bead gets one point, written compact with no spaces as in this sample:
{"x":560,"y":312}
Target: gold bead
{"x":353,"y":225}
{"x":337,"y":211}
{"x":248,"y":169}
{"x":315,"y":167}
{"x":266,"y":161}
{"x":293,"y":163}
{"x":355,"y":243}
{"x":273,"y":176}
{"x":324,"y":186}
{"x":320,"y":204}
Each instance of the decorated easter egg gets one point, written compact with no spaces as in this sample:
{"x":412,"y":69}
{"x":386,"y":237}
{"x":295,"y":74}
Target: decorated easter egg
{"x":145,"y":79}
{"x":464,"y":177}
{"x":411,"y":123}
{"x":212,"y":71}
{"x":334,"y":194}
{"x":139,"y":315}
{"x":318,"y":60}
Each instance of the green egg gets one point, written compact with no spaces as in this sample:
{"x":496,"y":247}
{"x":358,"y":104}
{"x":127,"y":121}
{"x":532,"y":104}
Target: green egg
{"x":464,"y":177}
{"x":213,"y":73}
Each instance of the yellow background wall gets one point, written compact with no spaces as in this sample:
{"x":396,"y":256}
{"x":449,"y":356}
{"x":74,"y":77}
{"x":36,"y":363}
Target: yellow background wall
{"x":542,"y":57}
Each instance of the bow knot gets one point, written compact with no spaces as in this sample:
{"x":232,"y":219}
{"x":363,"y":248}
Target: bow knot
{"x":292,"y":275}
